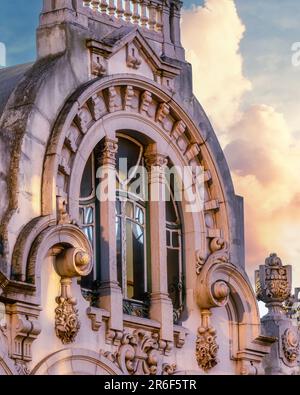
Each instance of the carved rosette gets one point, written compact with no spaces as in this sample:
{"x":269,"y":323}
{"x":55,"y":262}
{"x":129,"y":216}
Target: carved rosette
{"x":291,"y":345}
{"x":207,"y":348}
{"x":273,"y":281}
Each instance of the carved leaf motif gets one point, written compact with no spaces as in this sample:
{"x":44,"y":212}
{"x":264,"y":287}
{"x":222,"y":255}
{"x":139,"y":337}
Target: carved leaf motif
{"x":206,"y":348}
{"x":67,"y":322}
{"x":139,"y":354}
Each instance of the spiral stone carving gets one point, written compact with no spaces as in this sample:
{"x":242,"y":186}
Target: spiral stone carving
{"x":291,"y":345}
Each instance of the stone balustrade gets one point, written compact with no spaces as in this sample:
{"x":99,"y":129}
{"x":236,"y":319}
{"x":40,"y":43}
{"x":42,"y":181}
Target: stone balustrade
{"x":144,"y":13}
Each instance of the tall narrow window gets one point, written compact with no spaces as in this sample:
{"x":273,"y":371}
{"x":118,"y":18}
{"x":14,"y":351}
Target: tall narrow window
{"x":87,"y":215}
{"x":131,"y":228}
{"x":174,"y":258}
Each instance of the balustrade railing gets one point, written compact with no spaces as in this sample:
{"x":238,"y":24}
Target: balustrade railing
{"x":144,"y":13}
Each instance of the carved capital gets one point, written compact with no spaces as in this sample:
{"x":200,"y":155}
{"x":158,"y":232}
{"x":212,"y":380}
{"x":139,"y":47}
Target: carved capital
{"x":155,"y":161}
{"x":109,"y":152}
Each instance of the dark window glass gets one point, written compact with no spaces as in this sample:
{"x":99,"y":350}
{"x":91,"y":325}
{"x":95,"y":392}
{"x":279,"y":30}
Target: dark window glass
{"x":173,"y":276}
{"x":119,"y":250}
{"x":171,"y":215}
{"x":86,"y":188}
{"x":135,"y":255}
{"x":131,"y":152}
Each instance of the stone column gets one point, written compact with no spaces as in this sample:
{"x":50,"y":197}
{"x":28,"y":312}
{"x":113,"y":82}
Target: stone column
{"x":168,"y":46}
{"x":175,"y":12}
{"x":161,"y":308}
{"x":110,"y":293}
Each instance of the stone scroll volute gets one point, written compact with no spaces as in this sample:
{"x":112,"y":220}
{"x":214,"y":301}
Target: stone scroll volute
{"x":70,"y":263}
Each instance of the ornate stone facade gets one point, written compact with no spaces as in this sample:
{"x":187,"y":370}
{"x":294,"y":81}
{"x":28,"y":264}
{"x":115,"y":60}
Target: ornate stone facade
{"x":106,"y":71}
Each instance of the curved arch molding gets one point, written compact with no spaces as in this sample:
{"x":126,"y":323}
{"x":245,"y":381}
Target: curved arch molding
{"x":76,"y":362}
{"x":119,"y":103}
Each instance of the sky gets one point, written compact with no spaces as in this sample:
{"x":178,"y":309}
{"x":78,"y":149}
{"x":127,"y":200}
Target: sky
{"x":246,"y":82}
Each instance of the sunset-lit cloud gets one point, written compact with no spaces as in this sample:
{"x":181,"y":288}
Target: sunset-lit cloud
{"x":211,"y":36}
{"x":260,"y":146}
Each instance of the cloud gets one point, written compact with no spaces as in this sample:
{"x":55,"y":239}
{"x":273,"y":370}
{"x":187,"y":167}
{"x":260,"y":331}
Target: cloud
{"x":262,"y":150}
{"x":211,"y":35}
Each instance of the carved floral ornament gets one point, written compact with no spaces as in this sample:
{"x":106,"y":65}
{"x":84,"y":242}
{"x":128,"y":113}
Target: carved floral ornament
{"x":206,"y":343}
{"x":273,"y":281}
{"x":139,"y":354}
{"x":291,"y":345}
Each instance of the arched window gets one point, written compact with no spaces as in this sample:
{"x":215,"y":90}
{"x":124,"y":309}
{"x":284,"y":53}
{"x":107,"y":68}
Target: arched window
{"x":133,"y":255}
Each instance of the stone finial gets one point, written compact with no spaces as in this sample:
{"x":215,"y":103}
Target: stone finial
{"x":273,"y":283}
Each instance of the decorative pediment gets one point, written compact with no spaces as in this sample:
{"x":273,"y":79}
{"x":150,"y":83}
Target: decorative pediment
{"x":129,"y":51}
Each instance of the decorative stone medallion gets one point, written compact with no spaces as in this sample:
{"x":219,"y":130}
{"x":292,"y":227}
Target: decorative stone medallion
{"x":291,"y":345}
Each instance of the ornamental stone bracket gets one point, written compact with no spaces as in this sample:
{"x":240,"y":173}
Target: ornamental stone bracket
{"x":212,"y":292}
{"x":222,"y":284}
{"x":21,"y":331}
{"x":139,"y":354}
{"x":97,"y":317}
{"x":70,"y":263}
